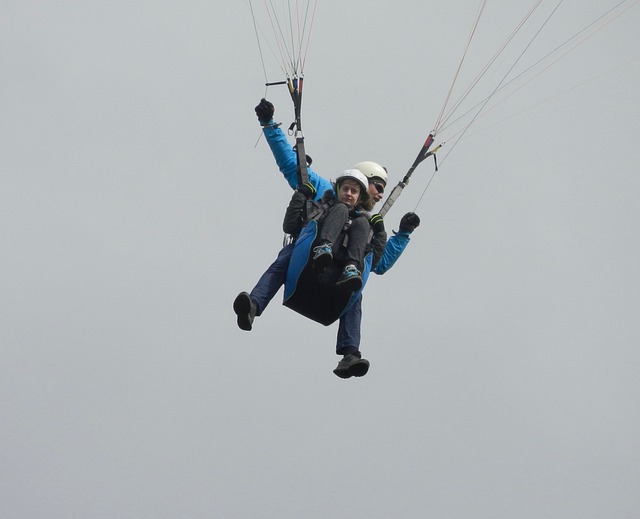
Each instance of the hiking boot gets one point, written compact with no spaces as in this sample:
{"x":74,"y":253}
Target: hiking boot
{"x":323,"y":256}
{"x":245,"y":309}
{"x":352,"y":366}
{"x":350,"y":279}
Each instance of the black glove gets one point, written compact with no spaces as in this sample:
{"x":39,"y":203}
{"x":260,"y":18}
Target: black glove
{"x":264,"y":111}
{"x":307,"y":190}
{"x":377,"y":223}
{"x":409,"y":222}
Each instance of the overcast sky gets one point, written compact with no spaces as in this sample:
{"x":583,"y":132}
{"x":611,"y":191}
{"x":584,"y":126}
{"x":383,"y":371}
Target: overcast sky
{"x":136,"y":205}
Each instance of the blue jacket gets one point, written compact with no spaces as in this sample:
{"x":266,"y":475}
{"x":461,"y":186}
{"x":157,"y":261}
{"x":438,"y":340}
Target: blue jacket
{"x":287,"y":161}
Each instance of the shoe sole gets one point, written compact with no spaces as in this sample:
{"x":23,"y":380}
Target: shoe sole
{"x":359,"y":369}
{"x":350,"y":284}
{"x":322,"y":262}
{"x":342,"y":373}
{"x":242,"y":308}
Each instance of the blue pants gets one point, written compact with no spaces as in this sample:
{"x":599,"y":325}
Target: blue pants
{"x":273,"y":278}
{"x":348,"y":340}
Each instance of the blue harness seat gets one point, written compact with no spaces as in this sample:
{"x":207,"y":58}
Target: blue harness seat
{"x":315,"y":295}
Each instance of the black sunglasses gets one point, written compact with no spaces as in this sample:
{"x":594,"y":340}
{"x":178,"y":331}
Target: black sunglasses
{"x":379,"y":187}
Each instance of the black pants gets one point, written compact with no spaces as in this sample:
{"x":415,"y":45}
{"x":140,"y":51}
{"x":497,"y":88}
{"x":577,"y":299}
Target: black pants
{"x":358,"y":233}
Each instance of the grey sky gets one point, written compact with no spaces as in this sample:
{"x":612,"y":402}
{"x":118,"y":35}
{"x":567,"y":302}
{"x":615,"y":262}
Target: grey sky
{"x":135,"y":206}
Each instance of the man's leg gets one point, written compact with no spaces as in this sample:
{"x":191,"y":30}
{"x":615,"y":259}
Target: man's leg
{"x":348,"y":343}
{"x":271,"y":281}
{"x":247,"y":306}
{"x":348,"y":340}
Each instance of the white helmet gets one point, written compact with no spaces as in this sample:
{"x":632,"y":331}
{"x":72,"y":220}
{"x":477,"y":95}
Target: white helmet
{"x":371,"y":170}
{"x":358,"y":176}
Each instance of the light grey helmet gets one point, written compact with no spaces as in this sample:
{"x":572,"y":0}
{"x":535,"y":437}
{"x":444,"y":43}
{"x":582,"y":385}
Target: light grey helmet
{"x":360,"y":178}
{"x":372,"y":170}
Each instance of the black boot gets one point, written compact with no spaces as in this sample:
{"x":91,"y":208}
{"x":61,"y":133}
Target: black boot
{"x":322,"y":257}
{"x":350,"y":280}
{"x":352,"y":365}
{"x":245,"y":309}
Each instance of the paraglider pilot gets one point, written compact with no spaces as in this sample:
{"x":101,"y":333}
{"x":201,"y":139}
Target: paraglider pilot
{"x":249,"y":305}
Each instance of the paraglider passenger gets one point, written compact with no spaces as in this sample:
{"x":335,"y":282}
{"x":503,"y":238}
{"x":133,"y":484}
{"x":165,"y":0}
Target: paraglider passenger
{"x":345,"y":211}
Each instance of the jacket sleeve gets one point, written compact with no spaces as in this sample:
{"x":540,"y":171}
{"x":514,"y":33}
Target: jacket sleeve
{"x":294,"y":217}
{"x":378,"y":242}
{"x":287,"y":161}
{"x":393,"y":248}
